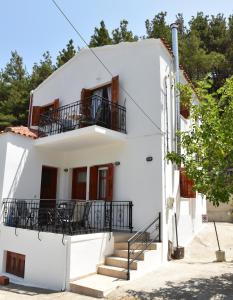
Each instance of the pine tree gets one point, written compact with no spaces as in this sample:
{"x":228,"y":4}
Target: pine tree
{"x":42,"y":70}
{"x":66,"y":54}
{"x":158,"y":28}
{"x":101,"y":36}
{"x":122,"y":34}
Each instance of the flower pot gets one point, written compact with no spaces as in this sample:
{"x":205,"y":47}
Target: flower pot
{"x":220,"y":256}
{"x":184,"y":111}
{"x":178,"y":253}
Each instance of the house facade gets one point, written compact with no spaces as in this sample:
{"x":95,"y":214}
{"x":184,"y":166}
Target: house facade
{"x":93,"y":138}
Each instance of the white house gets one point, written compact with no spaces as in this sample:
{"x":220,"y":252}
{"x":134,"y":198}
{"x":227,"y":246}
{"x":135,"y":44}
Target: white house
{"x":95,"y":150}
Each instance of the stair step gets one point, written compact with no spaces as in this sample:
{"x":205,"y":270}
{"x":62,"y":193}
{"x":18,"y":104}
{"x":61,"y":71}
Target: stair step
{"x":124,"y":236}
{"x":136,"y":246}
{"x":120,"y":262}
{"x":112,"y":271}
{"x":124,"y":254}
{"x":95,"y":285}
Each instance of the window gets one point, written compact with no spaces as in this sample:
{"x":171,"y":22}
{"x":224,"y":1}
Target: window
{"x":15,"y":263}
{"x":102,"y":183}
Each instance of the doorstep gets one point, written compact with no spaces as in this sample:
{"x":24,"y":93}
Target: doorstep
{"x":96,"y":285}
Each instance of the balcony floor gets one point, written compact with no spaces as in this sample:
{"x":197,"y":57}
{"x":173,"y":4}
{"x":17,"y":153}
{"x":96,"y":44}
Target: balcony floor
{"x":81,"y":138}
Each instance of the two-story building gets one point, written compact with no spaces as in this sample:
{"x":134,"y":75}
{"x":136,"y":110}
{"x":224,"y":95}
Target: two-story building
{"x":91,"y":165}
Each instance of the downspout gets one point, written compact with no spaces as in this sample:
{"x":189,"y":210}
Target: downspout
{"x":30,"y":108}
{"x":175,"y":50}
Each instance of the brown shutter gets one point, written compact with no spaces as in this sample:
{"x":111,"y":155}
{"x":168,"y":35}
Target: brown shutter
{"x":115,"y":89}
{"x":15,"y":263}
{"x":85,"y":102}
{"x":56,"y":103}
{"x":93,"y":183}
{"x":36,"y":110}
{"x":109,"y":192}
{"x":186,"y":185}
{"x":115,"y":98}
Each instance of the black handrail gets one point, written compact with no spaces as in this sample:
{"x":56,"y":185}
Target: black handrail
{"x":143,"y":237}
{"x":70,"y":217}
{"x":94,"y":110}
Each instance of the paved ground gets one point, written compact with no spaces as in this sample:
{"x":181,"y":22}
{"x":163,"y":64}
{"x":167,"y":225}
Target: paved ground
{"x":196,"y":277}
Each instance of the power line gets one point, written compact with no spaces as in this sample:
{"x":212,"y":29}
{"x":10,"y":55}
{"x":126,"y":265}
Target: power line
{"x":105,"y":67}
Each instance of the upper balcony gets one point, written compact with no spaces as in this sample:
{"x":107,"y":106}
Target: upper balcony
{"x":95,"y":110}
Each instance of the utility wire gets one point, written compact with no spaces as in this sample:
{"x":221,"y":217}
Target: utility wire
{"x":105,"y":67}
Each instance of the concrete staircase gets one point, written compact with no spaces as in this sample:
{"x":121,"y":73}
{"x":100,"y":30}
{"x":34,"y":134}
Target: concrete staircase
{"x":114,"y":272}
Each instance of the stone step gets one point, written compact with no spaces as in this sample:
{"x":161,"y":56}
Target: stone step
{"x":124,"y":254}
{"x":120,"y":262}
{"x":111,"y":271}
{"x":125,"y":236}
{"x":96,"y":285}
{"x":135,"y":246}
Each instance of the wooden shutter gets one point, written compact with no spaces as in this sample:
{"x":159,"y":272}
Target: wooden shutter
{"x":36,"y":111}
{"x":115,"y":89}
{"x":110,"y":173}
{"x":93,"y":185}
{"x":186,"y":185}
{"x":115,"y":98}
{"x":15,"y":263}
{"x":85,"y":102}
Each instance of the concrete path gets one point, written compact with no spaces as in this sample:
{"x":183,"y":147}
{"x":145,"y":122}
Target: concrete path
{"x":196,"y":277}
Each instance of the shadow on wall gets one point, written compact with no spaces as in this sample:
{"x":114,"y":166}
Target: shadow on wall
{"x":218,"y":287}
{"x":18,"y":173}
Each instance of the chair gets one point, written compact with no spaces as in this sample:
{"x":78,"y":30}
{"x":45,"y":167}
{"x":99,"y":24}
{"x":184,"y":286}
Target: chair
{"x":23,"y":215}
{"x":65,"y":212}
{"x":84,"y":222}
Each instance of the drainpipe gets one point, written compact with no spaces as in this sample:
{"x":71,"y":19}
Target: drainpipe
{"x":175,"y":50}
{"x":30,"y":109}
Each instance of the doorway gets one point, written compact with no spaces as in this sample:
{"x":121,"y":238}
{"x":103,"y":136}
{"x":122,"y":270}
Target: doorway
{"x":48,"y":188}
{"x":79,"y":183}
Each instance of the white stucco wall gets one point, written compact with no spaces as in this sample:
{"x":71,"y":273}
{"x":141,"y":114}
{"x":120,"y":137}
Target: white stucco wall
{"x":45,"y":263}
{"x":87,"y":252}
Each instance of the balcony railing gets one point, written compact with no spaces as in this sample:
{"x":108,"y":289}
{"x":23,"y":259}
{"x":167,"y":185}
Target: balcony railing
{"x":70,"y":217}
{"x":92,"y":111}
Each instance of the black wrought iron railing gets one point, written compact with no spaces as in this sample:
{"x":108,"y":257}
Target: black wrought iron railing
{"x":95,"y":110}
{"x":68,"y":216}
{"x":142,"y":240}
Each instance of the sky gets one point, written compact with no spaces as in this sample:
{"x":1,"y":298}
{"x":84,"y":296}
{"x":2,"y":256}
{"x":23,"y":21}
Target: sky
{"x":34,"y":26}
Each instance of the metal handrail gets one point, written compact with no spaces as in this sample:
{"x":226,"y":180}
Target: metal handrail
{"x":135,"y":238}
{"x":67,"y":216}
{"x":94,"y":110}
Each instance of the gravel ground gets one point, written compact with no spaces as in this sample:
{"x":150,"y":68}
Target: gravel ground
{"x":197,"y":276}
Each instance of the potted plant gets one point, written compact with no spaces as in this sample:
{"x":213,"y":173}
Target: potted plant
{"x":185,"y":99}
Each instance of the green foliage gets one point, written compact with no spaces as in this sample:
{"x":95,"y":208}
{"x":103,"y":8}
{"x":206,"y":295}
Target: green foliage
{"x":66,"y":54}
{"x":157,"y":27}
{"x":15,"y":87}
{"x":42,"y":70}
{"x":101,"y":36}
{"x":185,"y":94}
{"x":122,"y":34}
{"x":208,"y":145}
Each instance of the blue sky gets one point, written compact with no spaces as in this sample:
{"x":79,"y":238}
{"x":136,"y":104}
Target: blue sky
{"x":33,"y":26}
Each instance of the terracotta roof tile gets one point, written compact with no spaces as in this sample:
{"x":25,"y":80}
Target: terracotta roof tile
{"x":22,"y":130}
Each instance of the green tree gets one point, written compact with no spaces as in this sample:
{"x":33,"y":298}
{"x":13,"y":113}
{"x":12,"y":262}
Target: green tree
{"x":66,"y":54}
{"x":15,"y":89}
{"x":101,"y":36}
{"x":122,"y":34}
{"x":208,"y":145}
{"x":158,"y":28}
{"x":42,"y":70}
